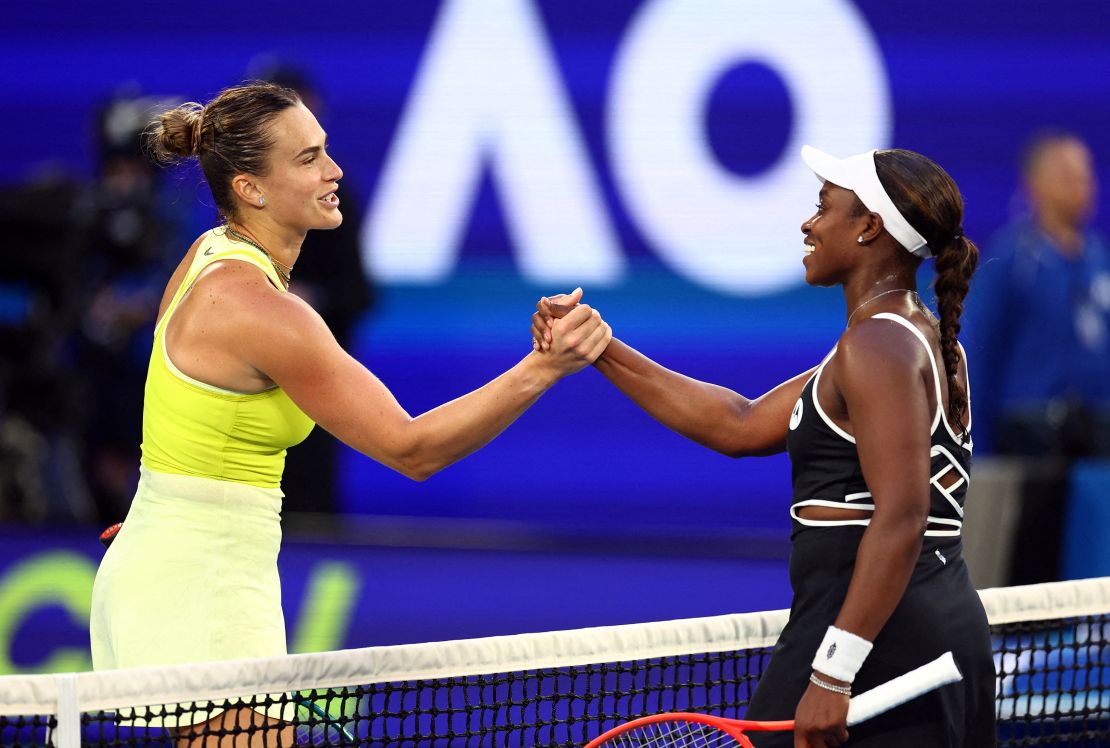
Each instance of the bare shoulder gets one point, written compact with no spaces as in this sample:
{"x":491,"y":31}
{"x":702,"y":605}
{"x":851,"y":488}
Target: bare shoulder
{"x":233,"y":328}
{"x":277,"y":333}
{"x":876,"y":346}
{"x":241,"y":295}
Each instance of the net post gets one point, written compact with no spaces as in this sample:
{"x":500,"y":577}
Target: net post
{"x":68,"y":732}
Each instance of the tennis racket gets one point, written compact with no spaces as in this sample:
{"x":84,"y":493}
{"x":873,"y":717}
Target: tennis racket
{"x":681,"y":729}
{"x":316,"y":725}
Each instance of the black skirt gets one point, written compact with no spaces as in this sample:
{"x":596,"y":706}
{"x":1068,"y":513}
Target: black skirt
{"x":940,"y":611}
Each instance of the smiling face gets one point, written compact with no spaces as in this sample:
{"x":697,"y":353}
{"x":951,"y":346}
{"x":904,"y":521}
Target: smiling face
{"x":301,"y":179}
{"x":831,"y":235}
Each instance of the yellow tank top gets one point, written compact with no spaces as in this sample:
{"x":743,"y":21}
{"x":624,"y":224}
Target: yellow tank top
{"x":194,"y":428}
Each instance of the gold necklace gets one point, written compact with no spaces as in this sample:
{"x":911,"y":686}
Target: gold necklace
{"x":884,"y":293}
{"x":284,"y":272}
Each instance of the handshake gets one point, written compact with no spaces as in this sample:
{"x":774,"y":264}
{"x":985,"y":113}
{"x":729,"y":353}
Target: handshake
{"x":567,"y":334}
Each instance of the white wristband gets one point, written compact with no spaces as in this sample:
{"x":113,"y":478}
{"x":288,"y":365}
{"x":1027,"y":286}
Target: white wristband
{"x":841,"y":654}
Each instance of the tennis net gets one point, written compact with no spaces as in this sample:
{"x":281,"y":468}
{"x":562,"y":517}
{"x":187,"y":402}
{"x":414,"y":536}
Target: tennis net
{"x":547,"y":689}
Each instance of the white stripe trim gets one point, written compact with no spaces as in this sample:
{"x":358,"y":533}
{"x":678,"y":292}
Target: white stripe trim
{"x":951,"y":500}
{"x":203,"y":385}
{"x":946,"y":492}
{"x":967,"y":386}
{"x":860,"y":522}
{"x":955,"y":524}
{"x":944,"y":521}
{"x":939,"y":415}
{"x":967,"y":390}
{"x":857,"y":496}
{"x":832,"y":505}
{"x":817,"y":402}
{"x":941,"y":533}
{"x":940,"y":449}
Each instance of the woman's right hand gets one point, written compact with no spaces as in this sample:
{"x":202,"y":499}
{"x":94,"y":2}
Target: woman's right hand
{"x":549,"y":309}
{"x":577,"y":338}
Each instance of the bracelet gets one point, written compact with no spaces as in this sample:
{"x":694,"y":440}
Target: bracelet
{"x":841,"y":654}
{"x":842,"y":690}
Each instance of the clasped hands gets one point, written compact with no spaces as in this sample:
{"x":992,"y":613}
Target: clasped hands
{"x":572,"y":333}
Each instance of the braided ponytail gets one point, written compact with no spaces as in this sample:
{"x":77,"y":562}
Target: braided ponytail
{"x":955,"y":264}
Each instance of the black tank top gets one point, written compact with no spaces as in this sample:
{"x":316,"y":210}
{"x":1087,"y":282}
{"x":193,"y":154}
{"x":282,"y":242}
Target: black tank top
{"x":825,"y":465}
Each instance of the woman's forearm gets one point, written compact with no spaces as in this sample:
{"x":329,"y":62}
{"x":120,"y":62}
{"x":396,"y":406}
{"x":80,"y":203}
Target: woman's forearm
{"x":702,"y":412}
{"x":450,"y":432}
{"x":885,"y":561}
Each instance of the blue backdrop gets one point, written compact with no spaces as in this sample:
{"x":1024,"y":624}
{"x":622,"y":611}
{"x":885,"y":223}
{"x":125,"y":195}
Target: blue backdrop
{"x":500,"y":149}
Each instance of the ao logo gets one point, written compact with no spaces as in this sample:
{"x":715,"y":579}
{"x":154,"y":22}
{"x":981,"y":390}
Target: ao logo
{"x":488,"y":96}
{"x":796,"y":414}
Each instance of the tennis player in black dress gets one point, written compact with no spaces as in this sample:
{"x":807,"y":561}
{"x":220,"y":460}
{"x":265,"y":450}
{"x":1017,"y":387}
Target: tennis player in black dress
{"x":879,"y":436}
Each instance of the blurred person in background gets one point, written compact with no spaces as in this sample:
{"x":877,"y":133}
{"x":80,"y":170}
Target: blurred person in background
{"x":332,"y":279}
{"x":1041,"y":314}
{"x":1040,"y":322}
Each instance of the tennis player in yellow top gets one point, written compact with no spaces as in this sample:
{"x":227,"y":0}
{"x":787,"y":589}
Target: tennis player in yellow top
{"x":240,"y":371}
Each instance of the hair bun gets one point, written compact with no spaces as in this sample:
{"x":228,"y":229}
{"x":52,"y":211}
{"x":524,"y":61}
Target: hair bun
{"x":177,"y":133}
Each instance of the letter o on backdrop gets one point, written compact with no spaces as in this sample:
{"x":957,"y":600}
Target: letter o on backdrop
{"x":732,"y":233}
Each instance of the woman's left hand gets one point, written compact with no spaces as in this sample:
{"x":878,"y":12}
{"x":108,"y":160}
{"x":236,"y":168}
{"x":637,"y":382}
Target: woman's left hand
{"x":822,"y":717}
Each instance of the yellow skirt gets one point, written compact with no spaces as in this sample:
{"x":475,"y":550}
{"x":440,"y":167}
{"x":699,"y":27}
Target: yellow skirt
{"x":191,"y":577}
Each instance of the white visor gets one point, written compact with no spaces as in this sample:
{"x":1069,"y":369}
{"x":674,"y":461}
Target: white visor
{"x":857,"y":173}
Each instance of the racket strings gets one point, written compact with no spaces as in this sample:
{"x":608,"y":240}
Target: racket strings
{"x":677,"y":734}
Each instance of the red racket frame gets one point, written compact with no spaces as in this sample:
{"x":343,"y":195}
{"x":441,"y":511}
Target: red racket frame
{"x":734,"y":728}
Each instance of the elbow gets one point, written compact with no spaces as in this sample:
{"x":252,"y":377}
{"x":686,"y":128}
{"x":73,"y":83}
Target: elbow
{"x":907,"y":524}
{"x":738,"y":434}
{"x":733,"y":444}
{"x":720,"y":445}
{"x":416,"y":469}
{"x":738,"y":448}
{"x":418,"y":475}
{"x":412,"y":460}
{"x":920,"y":523}
{"x":750,"y":449}
{"x":912,"y":524}
{"x":734,"y":451}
